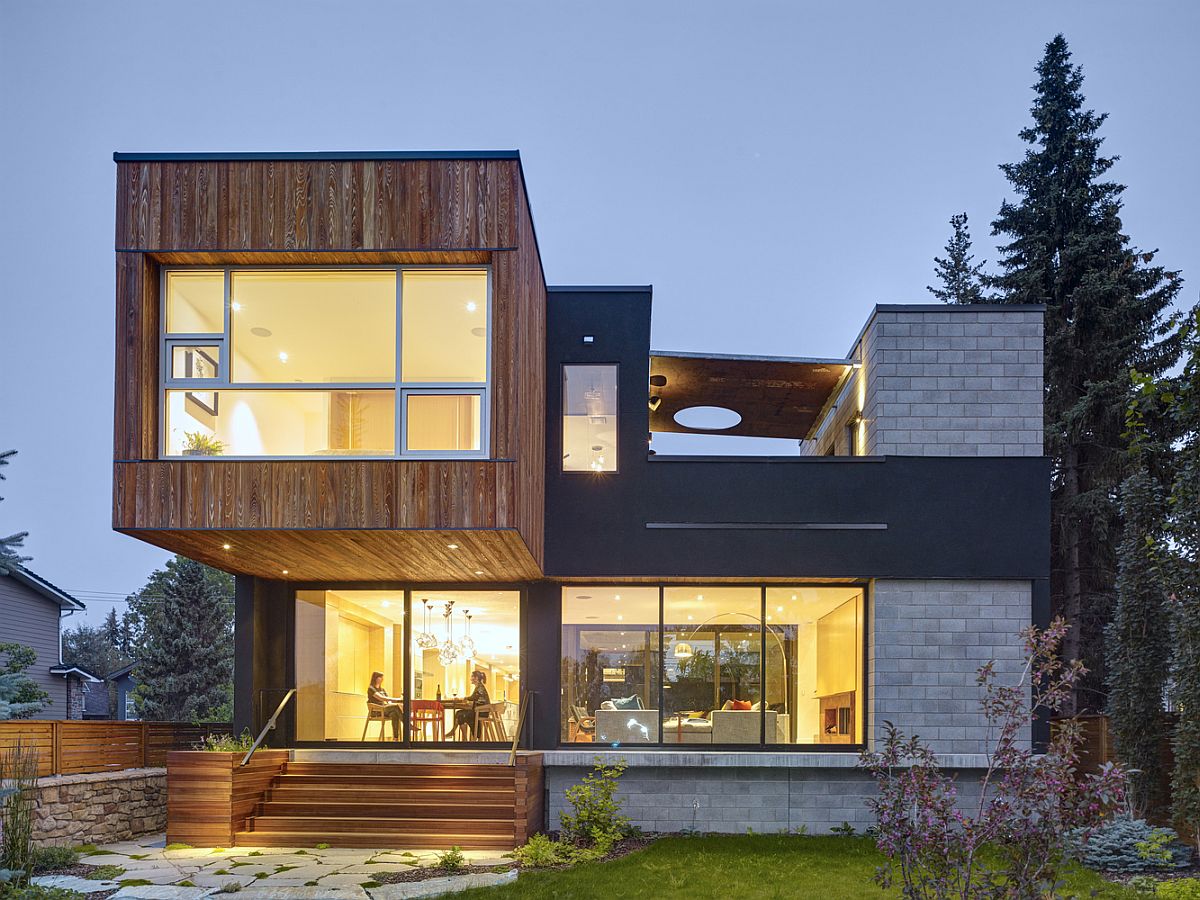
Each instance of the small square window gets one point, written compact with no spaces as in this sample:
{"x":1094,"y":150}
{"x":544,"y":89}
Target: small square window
{"x":195,"y":362}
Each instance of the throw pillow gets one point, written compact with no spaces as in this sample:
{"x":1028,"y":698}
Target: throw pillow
{"x":634,"y":702}
{"x":739,"y":704}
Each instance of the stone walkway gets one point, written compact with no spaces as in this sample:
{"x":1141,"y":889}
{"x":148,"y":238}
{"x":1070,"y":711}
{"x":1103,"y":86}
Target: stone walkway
{"x":153,"y":871}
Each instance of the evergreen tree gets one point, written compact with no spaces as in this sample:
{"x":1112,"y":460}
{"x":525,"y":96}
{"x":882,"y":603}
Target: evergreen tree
{"x":1104,"y":316}
{"x":185,"y":653}
{"x":20,"y":697}
{"x":111,"y":629}
{"x":1139,"y":640}
{"x":962,"y":281}
{"x":90,"y":649}
{"x":10,"y":545}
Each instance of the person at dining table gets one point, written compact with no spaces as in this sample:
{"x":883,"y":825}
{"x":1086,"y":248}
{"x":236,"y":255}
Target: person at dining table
{"x":465,"y":718}
{"x":389,"y":706}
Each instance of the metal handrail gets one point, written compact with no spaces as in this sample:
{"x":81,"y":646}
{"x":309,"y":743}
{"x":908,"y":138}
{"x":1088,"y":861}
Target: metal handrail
{"x":524,"y":708}
{"x":268,"y":727}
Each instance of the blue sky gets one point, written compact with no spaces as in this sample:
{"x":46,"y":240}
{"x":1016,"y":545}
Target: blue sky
{"x":772,"y":168}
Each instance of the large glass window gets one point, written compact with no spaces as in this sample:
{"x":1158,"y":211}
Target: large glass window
{"x":304,"y":362}
{"x":589,"y":435}
{"x":280,"y":423}
{"x":464,"y":679}
{"x":313,"y":327}
{"x":738,"y":665}
{"x":609,"y":665}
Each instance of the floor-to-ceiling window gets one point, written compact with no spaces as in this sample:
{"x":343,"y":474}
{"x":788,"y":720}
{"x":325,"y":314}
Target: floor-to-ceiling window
{"x":725,"y":665}
{"x":460,"y":680}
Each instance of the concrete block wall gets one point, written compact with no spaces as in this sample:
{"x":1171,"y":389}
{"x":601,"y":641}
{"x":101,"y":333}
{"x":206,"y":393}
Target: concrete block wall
{"x":926,"y":640}
{"x":953,"y":381}
{"x":732,"y":800}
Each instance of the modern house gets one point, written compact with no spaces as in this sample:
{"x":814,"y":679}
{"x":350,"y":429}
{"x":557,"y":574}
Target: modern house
{"x":31,"y":614}
{"x":342,"y":378}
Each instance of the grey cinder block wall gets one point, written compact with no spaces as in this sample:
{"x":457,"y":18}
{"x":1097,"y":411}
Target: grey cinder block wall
{"x":942,"y":380}
{"x":926,"y":640}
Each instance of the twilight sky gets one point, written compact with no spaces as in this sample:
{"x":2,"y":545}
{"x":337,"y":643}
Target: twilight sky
{"x":773,"y":168}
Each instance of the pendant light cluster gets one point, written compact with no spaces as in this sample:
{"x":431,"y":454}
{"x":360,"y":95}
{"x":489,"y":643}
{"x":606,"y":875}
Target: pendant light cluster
{"x":449,"y":650}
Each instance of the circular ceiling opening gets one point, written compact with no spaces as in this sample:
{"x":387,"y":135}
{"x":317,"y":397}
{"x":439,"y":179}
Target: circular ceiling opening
{"x":707,"y":418}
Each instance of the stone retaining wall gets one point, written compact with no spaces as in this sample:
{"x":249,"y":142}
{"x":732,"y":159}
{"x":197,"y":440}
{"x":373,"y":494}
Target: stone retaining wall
{"x":100,"y":807}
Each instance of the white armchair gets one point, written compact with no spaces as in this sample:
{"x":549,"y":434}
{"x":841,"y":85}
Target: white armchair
{"x":626,"y":726}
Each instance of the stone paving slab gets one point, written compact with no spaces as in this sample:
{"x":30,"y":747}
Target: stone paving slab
{"x":219,"y":881}
{"x":161,"y":892}
{"x":434,"y":887}
{"x":301,"y":893}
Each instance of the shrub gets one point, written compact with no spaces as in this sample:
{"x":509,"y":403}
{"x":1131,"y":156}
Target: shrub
{"x":596,"y":822}
{"x":18,"y":775}
{"x":1182,"y":889}
{"x":36,"y":892}
{"x":1012,"y":842}
{"x":539,"y":852}
{"x":451,"y":860}
{"x":47,"y":859}
{"x":1129,"y":845}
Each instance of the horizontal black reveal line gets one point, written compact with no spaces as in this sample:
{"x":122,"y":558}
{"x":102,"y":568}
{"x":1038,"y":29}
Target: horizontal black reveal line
{"x":768,"y":526}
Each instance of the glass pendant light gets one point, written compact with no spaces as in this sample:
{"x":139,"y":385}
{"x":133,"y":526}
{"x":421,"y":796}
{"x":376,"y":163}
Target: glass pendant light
{"x":426,"y":639}
{"x":467,"y":643}
{"x":449,"y":651}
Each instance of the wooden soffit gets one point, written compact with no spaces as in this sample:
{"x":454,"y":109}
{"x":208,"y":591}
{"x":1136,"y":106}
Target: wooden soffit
{"x":380,"y":555}
{"x":777,"y":397}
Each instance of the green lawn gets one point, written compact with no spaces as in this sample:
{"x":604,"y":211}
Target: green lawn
{"x":740,"y":866}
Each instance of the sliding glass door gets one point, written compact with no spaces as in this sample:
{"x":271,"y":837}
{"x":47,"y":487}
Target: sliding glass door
{"x":407,"y":665}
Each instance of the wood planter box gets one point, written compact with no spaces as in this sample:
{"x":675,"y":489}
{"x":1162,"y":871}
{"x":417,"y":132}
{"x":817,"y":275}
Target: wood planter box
{"x":209,"y":795}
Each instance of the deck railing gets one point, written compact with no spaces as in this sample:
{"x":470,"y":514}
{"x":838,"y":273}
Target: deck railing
{"x":72,"y":747}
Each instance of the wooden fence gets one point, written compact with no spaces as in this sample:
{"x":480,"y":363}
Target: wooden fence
{"x":75,"y":747}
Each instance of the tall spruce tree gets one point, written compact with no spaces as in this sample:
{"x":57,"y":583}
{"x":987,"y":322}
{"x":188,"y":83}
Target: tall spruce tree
{"x":185,"y":656}
{"x":10,"y":545}
{"x":1105,"y":307}
{"x":962,"y":280}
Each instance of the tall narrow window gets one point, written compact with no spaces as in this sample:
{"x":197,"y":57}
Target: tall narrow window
{"x":589,"y":436}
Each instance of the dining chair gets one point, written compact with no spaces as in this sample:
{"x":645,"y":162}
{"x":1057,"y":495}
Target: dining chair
{"x":427,"y":715}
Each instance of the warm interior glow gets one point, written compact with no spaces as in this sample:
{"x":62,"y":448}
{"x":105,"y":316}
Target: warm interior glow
{"x":715,"y":650}
{"x":444,"y":332}
{"x":589,"y":436}
{"x":343,"y":636}
{"x":195,"y":302}
{"x":443,"y":422}
{"x":280,"y":423}
{"x":319,"y":326}
{"x":195,"y":362}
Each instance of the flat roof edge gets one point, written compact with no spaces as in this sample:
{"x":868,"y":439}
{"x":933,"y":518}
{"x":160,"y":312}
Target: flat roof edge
{"x":337,"y":155}
{"x":960,"y":307}
{"x":601,"y":288}
{"x":739,"y":357}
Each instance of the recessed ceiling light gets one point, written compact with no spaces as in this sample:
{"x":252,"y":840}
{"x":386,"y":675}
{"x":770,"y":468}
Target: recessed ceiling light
{"x":226,"y":546}
{"x":620,"y":618}
{"x":452,"y":546}
{"x":616,"y":596}
{"x":283,"y":357}
{"x":779,"y":609}
{"x":285,"y":571}
{"x":479,"y":571}
{"x":793,"y":596}
{"x":471,"y":307}
{"x":386,"y":603}
{"x":237,"y":307}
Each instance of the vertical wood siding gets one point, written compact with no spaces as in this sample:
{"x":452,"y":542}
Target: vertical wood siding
{"x":334,"y":212}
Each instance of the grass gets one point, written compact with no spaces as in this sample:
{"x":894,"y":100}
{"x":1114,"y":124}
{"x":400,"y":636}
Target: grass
{"x":743,"y":866}
{"x":105,"y":873}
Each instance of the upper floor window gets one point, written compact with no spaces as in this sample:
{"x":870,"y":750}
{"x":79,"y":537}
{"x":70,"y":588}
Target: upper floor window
{"x":589,"y":435}
{"x":366,"y":362}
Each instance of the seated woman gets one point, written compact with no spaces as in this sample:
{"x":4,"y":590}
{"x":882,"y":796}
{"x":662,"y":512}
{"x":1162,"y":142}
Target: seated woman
{"x":390,"y":706}
{"x":465,"y":718}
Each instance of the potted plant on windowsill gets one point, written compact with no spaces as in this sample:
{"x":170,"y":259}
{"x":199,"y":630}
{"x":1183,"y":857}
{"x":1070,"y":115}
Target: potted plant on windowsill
{"x":197,"y":443}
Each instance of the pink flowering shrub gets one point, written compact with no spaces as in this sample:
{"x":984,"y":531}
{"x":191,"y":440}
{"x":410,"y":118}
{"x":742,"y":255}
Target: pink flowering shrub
{"x":1010,"y":843}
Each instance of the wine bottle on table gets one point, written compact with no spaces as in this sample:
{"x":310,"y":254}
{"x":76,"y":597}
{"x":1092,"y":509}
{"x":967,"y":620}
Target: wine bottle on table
{"x":439,"y":693}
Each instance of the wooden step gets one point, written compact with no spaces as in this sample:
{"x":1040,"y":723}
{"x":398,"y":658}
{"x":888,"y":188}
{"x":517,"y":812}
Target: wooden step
{"x":410,"y":781}
{"x":398,"y":810}
{"x":431,"y":769}
{"x":359,"y":793}
{"x":386,"y":825}
{"x":433,"y":840}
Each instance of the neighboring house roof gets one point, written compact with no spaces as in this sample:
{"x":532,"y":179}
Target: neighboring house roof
{"x":120,"y":673}
{"x":64,"y":669}
{"x":45,"y":588}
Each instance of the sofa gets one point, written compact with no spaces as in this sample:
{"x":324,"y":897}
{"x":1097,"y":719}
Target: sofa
{"x":626,"y":726}
{"x":726,"y":726}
